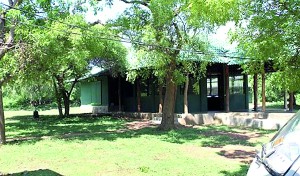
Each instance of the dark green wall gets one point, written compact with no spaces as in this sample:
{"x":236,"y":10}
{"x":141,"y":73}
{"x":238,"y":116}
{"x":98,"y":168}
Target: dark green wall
{"x":240,"y":102}
{"x":237,"y":102}
{"x":104,"y":89}
{"x":197,"y":103}
{"x":97,"y":92}
{"x":203,"y":94}
{"x":194,"y":103}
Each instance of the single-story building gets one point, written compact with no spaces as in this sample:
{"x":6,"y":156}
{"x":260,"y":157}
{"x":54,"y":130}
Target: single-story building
{"x":101,"y":90}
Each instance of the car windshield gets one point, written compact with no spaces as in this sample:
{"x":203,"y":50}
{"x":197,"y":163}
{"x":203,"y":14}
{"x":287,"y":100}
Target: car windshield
{"x":284,"y":147}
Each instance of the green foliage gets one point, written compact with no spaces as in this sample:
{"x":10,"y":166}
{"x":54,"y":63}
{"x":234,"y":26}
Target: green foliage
{"x":268,"y":32}
{"x":213,"y":12}
{"x":19,"y":96}
{"x":53,"y":43}
{"x":23,"y":96}
{"x":163,"y":32}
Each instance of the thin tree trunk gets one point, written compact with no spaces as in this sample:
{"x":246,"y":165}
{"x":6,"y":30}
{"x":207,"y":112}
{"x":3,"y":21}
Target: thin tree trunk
{"x":138,"y":94}
{"x":167,"y":122}
{"x":161,"y":101}
{"x":255,"y":92}
{"x":66,"y":99}
{"x":185,"y":96}
{"x":227,"y":88}
{"x":58,"y":98}
{"x":263,"y":91}
{"x":2,"y":119}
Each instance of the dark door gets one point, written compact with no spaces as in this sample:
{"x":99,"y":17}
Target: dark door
{"x":214,"y":93}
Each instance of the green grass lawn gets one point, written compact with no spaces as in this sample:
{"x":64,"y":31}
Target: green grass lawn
{"x":107,"y":146}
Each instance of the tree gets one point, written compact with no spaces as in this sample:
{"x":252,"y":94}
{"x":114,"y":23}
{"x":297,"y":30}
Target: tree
{"x":268,"y":32}
{"x":64,"y":50}
{"x":160,"y":32}
{"x":18,"y":20}
{"x":8,"y":22}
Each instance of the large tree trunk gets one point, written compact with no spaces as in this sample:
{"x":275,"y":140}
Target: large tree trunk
{"x":185,"y":96}
{"x":2,"y":119}
{"x":167,"y":122}
{"x":161,"y":101}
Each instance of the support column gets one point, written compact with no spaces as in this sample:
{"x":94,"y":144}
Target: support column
{"x":185,"y":96}
{"x":138,"y":94}
{"x":203,"y":94}
{"x":161,"y":101}
{"x":255,"y":92}
{"x":285,"y":104}
{"x":263,"y":91}
{"x":226,"y":88}
{"x":291,"y":101}
{"x":119,"y":93}
{"x":246,"y":91}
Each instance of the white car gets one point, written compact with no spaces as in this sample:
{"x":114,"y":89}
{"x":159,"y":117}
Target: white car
{"x":281,"y":156}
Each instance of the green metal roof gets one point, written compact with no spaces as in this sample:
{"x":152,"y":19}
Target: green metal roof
{"x":227,"y":56}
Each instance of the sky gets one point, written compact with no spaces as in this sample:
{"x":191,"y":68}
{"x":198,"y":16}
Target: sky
{"x":107,"y":13}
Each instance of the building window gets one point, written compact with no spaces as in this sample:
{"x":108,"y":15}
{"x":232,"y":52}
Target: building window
{"x":212,"y":87}
{"x":236,"y":84}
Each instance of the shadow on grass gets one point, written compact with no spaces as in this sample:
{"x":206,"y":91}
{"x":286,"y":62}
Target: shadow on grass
{"x":25,"y":130}
{"x":242,"y":171}
{"x":244,"y":156}
{"x":215,"y":136}
{"x":40,"y":172}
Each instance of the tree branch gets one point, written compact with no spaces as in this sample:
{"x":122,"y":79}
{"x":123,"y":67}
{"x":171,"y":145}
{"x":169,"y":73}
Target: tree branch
{"x":144,"y":3}
{"x":179,"y":46}
{"x":72,"y":87}
{"x":8,"y":45}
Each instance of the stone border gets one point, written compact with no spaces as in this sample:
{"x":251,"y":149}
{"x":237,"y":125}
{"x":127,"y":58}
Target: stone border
{"x":262,"y":120}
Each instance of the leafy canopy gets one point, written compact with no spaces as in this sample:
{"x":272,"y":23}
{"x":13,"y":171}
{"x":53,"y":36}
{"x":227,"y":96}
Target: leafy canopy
{"x":269,"y":31}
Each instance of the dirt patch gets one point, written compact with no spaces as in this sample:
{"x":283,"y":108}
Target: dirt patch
{"x":140,"y":124}
{"x":232,"y":135}
{"x":243,"y":154}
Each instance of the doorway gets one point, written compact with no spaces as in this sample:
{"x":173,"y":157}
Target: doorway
{"x":214,"y":93}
